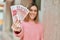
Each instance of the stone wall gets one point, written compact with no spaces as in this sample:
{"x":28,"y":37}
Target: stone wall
{"x":51,"y":19}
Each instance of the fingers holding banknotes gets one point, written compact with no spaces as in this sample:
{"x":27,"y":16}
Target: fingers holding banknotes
{"x":16,"y":26}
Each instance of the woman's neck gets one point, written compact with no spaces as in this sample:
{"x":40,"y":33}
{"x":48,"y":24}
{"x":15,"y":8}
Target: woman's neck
{"x":31,"y":21}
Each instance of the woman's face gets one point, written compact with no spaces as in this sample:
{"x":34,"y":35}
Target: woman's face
{"x":33,"y":12}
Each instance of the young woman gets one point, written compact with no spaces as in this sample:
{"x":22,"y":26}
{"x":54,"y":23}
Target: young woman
{"x":30,"y":29}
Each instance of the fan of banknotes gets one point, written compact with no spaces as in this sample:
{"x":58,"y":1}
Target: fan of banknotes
{"x":19,"y":12}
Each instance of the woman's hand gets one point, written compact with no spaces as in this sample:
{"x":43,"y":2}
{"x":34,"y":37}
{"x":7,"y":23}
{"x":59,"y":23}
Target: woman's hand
{"x":16,"y":27}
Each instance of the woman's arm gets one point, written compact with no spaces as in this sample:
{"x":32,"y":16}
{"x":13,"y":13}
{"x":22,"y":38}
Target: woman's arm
{"x":42,"y":35}
{"x":42,"y":32}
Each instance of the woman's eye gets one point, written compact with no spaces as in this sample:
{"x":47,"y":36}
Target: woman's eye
{"x":35,"y":10}
{"x":30,"y":10}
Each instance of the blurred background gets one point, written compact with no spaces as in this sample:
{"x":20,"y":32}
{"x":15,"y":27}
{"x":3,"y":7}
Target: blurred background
{"x":49,"y":15}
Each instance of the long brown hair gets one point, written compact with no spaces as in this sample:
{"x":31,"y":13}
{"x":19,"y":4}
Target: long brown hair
{"x":27,"y":17}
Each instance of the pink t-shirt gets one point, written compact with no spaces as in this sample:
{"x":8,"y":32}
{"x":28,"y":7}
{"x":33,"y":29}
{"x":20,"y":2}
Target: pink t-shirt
{"x":32,"y":31}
